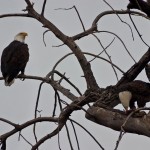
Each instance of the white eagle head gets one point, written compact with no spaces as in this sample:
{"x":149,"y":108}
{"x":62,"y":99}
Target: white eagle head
{"x":21,"y":37}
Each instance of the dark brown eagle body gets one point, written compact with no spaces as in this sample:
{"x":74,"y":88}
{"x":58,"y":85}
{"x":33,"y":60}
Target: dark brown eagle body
{"x":140,"y":5}
{"x":140,"y":93}
{"x":13,"y":60}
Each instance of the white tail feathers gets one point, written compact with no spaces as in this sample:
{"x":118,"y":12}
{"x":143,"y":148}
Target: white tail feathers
{"x":9,"y":83}
{"x":125,"y":97}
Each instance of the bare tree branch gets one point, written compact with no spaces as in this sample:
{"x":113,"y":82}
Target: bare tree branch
{"x":75,"y":133}
{"x":20,"y":135}
{"x":77,"y":14}
{"x":15,"y":15}
{"x":109,"y":57}
{"x":133,"y":72}
{"x":26,"y":124}
{"x":28,"y":3}
{"x":120,"y":18}
{"x":115,"y":119}
{"x":107,"y":97}
{"x":138,"y":31}
{"x":105,"y":48}
{"x":8,"y":122}
{"x":93,"y":28}
{"x":121,"y":134}
{"x":44,"y":36}
{"x":85,"y":65}
{"x":120,"y":41}
{"x":88,"y":133}
{"x":96,"y":56}
{"x":43,"y":8}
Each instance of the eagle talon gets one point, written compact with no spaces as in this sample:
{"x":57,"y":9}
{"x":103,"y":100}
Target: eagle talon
{"x":22,"y":76}
{"x":127,"y":112}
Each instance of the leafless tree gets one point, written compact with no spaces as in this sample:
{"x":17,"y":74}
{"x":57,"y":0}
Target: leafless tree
{"x":100,"y":101}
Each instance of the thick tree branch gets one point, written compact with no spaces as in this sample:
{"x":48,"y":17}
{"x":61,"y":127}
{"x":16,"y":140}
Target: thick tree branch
{"x":28,"y":3}
{"x":53,"y":83}
{"x":115,"y":119}
{"x":134,"y":71}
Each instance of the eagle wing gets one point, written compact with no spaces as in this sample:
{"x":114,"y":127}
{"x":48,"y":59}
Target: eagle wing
{"x":14,"y":59}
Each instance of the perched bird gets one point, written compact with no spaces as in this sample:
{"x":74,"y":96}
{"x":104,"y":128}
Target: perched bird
{"x":140,"y":5}
{"x":14,"y":58}
{"x":135,"y":91}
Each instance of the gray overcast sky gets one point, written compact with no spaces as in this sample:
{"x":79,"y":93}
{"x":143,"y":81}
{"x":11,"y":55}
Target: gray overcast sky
{"x":18,"y":101}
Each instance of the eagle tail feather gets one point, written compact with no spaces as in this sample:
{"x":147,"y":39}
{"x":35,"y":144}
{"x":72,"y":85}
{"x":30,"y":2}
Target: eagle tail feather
{"x":9,"y":82}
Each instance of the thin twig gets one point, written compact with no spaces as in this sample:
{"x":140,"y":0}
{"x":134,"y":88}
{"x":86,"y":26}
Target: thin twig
{"x":60,"y":60}
{"x":66,"y":79}
{"x":15,"y":15}
{"x":103,"y":50}
{"x":20,"y":135}
{"x":121,"y":134}
{"x":57,"y":98}
{"x":44,"y":37}
{"x":35,"y":112}
{"x":37,"y":101}
{"x":67,"y":130}
{"x":88,"y":133}
{"x":27,"y":124}
{"x":79,"y":17}
{"x":62,"y":77}
{"x":8,"y":122}
{"x":52,"y":134}
{"x":59,"y":142}
{"x":3,"y":145}
{"x":75,"y":133}
{"x":43,"y":8}
{"x":69,"y":138}
{"x":76,"y":12}
{"x":120,"y":18}
{"x":138,"y":31}
{"x":104,"y":60}
{"x":120,"y":41}
{"x":55,"y":103}
{"x":58,"y":45}
{"x":107,"y":55}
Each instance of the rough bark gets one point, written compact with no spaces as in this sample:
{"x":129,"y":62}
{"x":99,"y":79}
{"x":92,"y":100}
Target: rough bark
{"x":115,"y":119}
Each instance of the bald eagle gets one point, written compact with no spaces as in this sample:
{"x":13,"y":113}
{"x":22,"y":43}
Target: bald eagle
{"x":14,"y":58}
{"x":135,"y":91}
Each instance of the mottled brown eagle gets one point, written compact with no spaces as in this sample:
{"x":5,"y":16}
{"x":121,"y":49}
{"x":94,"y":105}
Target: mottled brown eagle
{"x":14,"y":58}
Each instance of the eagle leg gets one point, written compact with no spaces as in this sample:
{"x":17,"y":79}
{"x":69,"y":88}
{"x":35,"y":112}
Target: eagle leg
{"x":21,"y":76}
